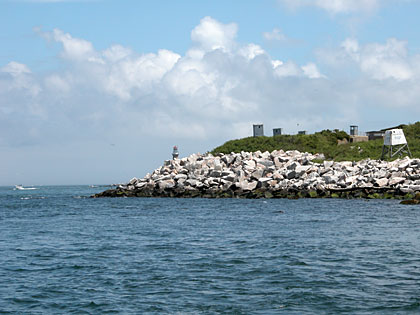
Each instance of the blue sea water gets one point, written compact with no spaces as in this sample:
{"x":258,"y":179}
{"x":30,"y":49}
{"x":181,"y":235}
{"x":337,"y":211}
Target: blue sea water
{"x":61,"y":252}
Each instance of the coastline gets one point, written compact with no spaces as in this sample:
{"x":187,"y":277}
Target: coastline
{"x":278,"y":174}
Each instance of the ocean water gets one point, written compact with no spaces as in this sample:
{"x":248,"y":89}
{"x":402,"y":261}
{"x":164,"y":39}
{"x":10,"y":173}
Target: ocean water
{"x":61,"y":253}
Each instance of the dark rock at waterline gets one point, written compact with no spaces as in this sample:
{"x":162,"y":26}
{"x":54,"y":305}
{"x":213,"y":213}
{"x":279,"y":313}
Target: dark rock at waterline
{"x":414,"y":201}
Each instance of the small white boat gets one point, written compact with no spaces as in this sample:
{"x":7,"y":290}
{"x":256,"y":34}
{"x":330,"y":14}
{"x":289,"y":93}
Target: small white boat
{"x":20,"y":187}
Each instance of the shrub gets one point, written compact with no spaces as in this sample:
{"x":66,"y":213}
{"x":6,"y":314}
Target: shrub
{"x":324,"y":142}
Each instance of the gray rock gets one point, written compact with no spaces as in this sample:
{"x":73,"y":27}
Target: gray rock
{"x":163,"y":178}
{"x":265,"y":163}
{"x":257,"y":174}
{"x":266,"y":155}
{"x":167,"y":184}
{"x":402,"y":166}
{"x":346,"y":164}
{"x":140,"y":185}
{"x":191,"y":182}
{"x":292,"y":165}
{"x":313,"y":175}
{"x":215,"y":173}
{"x":179,"y":176}
{"x":133,"y":181}
{"x":407,"y":190}
{"x":183,"y":171}
{"x":247,"y":186}
{"x":277,"y":162}
{"x":330,"y":179}
{"x":228,"y":159}
{"x":415,"y":188}
{"x":230,"y":178}
{"x":277,"y":175}
{"x":395,"y":180}
{"x":381,"y":182}
{"x":291,"y":174}
{"x":303,"y":168}
{"x":328,"y":164}
{"x":265,"y":179}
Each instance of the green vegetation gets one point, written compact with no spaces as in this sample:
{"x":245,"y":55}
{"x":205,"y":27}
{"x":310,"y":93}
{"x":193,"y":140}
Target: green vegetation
{"x":322,"y":142}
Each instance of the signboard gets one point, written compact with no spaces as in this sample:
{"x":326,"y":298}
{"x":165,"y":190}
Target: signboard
{"x":394,"y":137}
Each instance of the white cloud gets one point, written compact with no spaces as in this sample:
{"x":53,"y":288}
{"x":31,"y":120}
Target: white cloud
{"x":56,"y":83}
{"x":274,"y":35}
{"x":351,"y":47}
{"x":311,"y":71}
{"x":217,"y":82}
{"x":211,"y":34}
{"x":147,"y":102}
{"x":288,"y":69}
{"x":386,"y":61}
{"x":213,"y":91}
{"x":15,"y":68}
{"x":73,"y":48}
{"x":21,"y":79}
{"x":116,"y":53}
{"x":335,"y":6}
{"x":375,"y":60}
{"x":251,"y":51}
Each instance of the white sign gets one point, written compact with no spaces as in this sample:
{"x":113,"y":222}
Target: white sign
{"x":394,"y":137}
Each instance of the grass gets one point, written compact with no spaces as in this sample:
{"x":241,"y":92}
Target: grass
{"x":322,"y":142}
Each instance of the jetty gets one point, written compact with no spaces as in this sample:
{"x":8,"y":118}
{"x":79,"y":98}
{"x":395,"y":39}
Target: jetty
{"x":277,"y":174}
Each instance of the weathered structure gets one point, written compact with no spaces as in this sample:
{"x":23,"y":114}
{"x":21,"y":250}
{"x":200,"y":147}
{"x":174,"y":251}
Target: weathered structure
{"x":354,"y":135}
{"x":277,"y":131}
{"x":376,"y":134}
{"x":354,"y":130}
{"x":395,"y":144}
{"x":258,"y":130}
{"x":379,"y":134}
{"x":354,"y":139}
{"x":175,"y":153}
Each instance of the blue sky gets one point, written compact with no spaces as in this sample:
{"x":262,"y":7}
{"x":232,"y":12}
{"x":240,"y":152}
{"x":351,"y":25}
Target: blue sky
{"x":99,"y":91}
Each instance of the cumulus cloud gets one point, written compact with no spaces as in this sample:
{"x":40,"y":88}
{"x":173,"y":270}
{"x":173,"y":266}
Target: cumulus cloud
{"x":15,"y":68}
{"x":218,"y":82}
{"x":384,"y":61}
{"x":379,"y":61}
{"x":215,"y":91}
{"x":73,"y":48}
{"x":335,"y":6}
{"x":20,"y":79}
{"x":311,"y":71}
{"x":210,"y":93}
{"x":211,"y":34}
{"x":275,"y":35}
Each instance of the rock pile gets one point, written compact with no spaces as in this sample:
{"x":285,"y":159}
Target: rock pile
{"x":278,"y":174}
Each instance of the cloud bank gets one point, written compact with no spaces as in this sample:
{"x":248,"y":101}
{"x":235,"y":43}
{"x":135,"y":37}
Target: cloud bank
{"x":217,"y":83}
{"x":213,"y":92}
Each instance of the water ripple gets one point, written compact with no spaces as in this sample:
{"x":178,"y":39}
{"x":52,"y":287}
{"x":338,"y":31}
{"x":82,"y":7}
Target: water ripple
{"x":65,"y":253}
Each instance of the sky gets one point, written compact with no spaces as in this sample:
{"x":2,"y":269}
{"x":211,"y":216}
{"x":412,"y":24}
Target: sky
{"x":99,"y":91}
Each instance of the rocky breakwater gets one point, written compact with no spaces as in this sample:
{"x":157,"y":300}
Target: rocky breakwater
{"x":278,"y":174}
